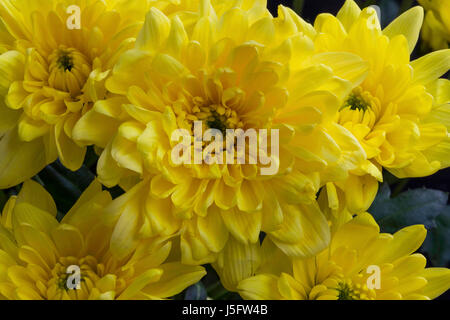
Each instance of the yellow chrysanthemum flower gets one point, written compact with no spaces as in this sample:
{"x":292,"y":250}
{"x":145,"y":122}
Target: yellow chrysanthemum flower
{"x":393,"y":113}
{"x":233,"y":68}
{"x":37,"y":253}
{"x":360,"y":263}
{"x":436,"y":29}
{"x":56,"y":54}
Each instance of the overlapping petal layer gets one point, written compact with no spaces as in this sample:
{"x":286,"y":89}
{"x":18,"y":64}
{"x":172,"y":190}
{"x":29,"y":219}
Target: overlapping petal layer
{"x":436,"y":29}
{"x":400,"y":112}
{"x":37,"y":253}
{"x":360,"y":264}
{"x":55,"y":57}
{"x":232,"y":68}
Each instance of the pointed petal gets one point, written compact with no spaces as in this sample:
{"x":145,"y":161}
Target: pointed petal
{"x":408,"y":24}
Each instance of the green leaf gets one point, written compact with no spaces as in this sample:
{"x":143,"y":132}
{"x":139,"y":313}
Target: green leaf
{"x":64,"y":185}
{"x":436,"y":245}
{"x":196,"y":292}
{"x":419,"y":206}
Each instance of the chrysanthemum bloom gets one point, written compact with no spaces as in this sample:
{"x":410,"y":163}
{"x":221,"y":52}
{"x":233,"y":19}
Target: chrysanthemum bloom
{"x":233,"y":68}
{"x":436,"y":29}
{"x":58,"y":53}
{"x":393,"y":113}
{"x":360,"y":263}
{"x":40,"y":256}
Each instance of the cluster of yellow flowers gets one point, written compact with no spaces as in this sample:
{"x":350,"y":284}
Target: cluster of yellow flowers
{"x":436,"y":29}
{"x":342,"y":95}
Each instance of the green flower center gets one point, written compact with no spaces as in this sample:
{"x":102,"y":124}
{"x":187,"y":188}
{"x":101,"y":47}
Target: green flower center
{"x":346,"y":292}
{"x":63,"y":281}
{"x":217,"y":117}
{"x":217,"y":121}
{"x":356,"y":102}
{"x":65,"y":61}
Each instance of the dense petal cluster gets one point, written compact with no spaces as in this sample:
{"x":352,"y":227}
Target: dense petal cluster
{"x":394,"y":113}
{"x":232,"y":69}
{"x":436,"y":29}
{"x":357,"y":252}
{"x":37,"y":252}
{"x":223,"y":125}
{"x":51,"y":74}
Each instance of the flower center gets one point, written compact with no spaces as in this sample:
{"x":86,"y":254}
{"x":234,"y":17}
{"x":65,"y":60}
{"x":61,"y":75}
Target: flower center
{"x":355,"y":289}
{"x":69,"y":70}
{"x":216,"y":116}
{"x":346,"y":292}
{"x":65,"y":61}
{"x":69,"y":272}
{"x":356,"y":102}
{"x":360,"y":108}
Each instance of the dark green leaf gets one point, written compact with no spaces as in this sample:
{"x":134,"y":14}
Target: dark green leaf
{"x":196,"y":292}
{"x":419,"y":206}
{"x":64,"y":185}
{"x":436,"y":244}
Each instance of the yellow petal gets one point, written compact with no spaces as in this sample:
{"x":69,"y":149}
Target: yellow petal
{"x":244,"y":226}
{"x":175,"y":278}
{"x":408,"y":24}
{"x":125,"y":235}
{"x":405,"y":242}
{"x":108,"y":170}
{"x":124,"y":148}
{"x":70,"y":154}
{"x":193,"y":250}
{"x":304,"y":231}
{"x":6,"y":216}
{"x":37,"y":240}
{"x":212,"y":230}
{"x":26,"y":213}
{"x":345,"y":65}
{"x":160,"y":214}
{"x":11,"y":69}
{"x":152,"y":275}
{"x":260,"y":287}
{"x":154,"y":32}
{"x":68,"y":241}
{"x":20,"y":160}
{"x":432,"y":66}
{"x":290,"y":288}
{"x":93,"y":190}
{"x":249,"y":198}
{"x":33,"y":193}
{"x":9,"y":118}
{"x":237,"y":262}
{"x":95,"y":128}
{"x":348,"y":14}
{"x":438,"y":282}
